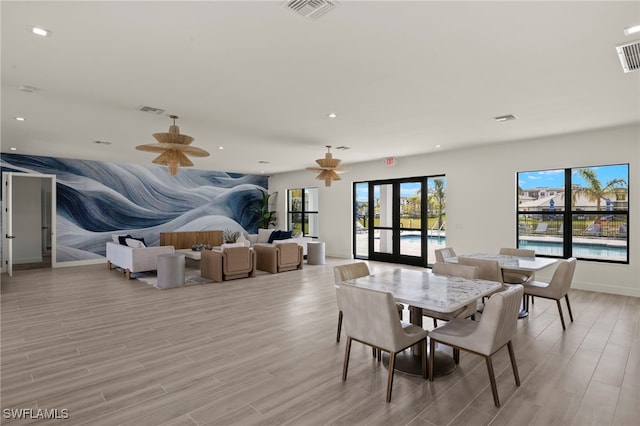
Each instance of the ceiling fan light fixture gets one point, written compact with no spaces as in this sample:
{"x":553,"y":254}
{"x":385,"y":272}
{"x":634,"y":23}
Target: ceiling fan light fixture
{"x":173,"y":148}
{"x":328,"y":170}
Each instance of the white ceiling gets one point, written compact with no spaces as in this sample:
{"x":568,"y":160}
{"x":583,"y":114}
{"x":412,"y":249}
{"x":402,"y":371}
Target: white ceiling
{"x":260,"y":80}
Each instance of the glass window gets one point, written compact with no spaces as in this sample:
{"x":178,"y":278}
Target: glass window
{"x":302,"y":211}
{"x":581,"y":212}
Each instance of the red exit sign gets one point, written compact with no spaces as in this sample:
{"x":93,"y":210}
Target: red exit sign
{"x":390,"y":161}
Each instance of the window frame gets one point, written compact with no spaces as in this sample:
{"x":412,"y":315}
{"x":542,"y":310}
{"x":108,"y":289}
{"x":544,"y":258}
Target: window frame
{"x":569,"y":211}
{"x":304,"y":213}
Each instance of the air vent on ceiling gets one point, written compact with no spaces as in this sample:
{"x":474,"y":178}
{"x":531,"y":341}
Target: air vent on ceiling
{"x":507,"y":117}
{"x":151,"y":110}
{"x":310,"y":9}
{"x":629,"y":55}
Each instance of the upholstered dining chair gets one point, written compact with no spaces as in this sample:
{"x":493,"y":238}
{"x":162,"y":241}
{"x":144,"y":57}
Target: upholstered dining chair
{"x":487,"y":270}
{"x":557,"y":288}
{"x":485,"y":337}
{"x":352,"y":271}
{"x":517,"y":277}
{"x":370,"y":318}
{"x":453,"y":270}
{"x":444,"y":253}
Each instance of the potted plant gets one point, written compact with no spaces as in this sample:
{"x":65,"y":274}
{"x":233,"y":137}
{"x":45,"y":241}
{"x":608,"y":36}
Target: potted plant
{"x":230,"y":236}
{"x":266,"y":217}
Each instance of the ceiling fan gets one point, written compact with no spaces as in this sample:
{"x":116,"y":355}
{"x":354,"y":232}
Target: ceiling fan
{"x":328,"y":168}
{"x":173,"y":148}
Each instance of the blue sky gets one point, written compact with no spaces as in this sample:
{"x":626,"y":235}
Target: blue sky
{"x":555,"y":178}
{"x":408,"y":189}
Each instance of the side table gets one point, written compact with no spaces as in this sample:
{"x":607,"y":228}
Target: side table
{"x":171,"y":270}
{"x":315,"y":253}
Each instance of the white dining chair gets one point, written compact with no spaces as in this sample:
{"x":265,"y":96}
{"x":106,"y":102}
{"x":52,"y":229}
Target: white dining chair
{"x":511,"y":276}
{"x":453,"y":270}
{"x":352,"y":271}
{"x":557,"y":288}
{"x":494,"y":331}
{"x":370,"y":317}
{"x":444,"y":253}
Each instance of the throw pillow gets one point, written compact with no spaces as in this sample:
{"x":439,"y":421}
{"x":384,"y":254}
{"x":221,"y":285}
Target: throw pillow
{"x":123,"y":239}
{"x":134,"y":243}
{"x":285,"y":235}
{"x":263,"y":235}
{"x":275,"y":235}
{"x":115,"y":237}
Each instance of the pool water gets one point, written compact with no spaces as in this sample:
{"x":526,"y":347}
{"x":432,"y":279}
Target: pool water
{"x":579,"y":249}
{"x":541,"y":247}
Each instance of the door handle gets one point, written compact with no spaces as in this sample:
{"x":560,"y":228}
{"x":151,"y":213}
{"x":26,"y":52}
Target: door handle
{"x":11,"y":237}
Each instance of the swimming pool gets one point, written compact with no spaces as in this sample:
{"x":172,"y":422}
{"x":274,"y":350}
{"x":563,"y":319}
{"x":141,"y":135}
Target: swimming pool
{"x":579,"y":249}
{"x":552,"y":248}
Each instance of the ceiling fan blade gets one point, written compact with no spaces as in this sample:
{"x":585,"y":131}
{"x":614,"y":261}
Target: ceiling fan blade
{"x":315,"y":169}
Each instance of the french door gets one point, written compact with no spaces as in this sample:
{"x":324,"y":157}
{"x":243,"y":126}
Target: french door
{"x":392,"y":220}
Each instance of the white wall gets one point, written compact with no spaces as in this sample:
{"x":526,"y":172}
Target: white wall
{"x":481,"y":200}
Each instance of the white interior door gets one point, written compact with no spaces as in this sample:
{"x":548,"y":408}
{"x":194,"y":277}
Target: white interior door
{"x":11,"y":208}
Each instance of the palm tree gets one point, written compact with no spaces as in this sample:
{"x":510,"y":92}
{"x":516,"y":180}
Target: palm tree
{"x":594,"y":191}
{"x":438,"y":197}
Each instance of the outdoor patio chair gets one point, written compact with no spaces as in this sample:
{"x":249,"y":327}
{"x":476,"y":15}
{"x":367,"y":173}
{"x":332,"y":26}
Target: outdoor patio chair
{"x":593,"y":230}
{"x":541,"y":228}
{"x":622,"y":232}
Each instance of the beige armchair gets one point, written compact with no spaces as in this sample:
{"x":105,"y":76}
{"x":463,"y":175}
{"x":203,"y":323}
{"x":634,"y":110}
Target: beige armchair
{"x":370,"y":317}
{"x":229,"y":264}
{"x":493,"y":332}
{"x":453,"y":270}
{"x":279,"y":258}
{"x":557,"y":288}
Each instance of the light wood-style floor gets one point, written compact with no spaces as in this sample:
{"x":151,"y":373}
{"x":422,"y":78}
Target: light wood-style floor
{"x":263,"y":351}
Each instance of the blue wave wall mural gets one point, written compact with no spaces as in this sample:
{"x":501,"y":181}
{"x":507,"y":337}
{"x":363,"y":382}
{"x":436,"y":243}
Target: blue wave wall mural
{"x":95,"y":199}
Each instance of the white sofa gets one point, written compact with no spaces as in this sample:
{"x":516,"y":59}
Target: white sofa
{"x":262,"y":238}
{"x":137,"y":259}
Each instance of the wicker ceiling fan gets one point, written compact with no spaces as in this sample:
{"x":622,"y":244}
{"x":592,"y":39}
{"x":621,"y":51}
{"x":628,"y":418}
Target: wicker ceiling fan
{"x":173,"y":148}
{"x":328,"y":168}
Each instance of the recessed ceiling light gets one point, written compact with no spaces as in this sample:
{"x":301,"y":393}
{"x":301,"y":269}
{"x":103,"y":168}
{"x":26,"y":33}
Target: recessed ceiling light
{"x":507,"y":117}
{"x":20,"y":118}
{"x":13,"y":148}
{"x":438,"y":146}
{"x":332,"y":115}
{"x":263,"y":162}
{"x":40,"y":31}
{"x":102,"y":142}
{"x":221,"y":147}
{"x":632,"y":30}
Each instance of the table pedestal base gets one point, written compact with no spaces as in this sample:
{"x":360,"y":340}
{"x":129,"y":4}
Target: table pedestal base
{"x":409,"y":363}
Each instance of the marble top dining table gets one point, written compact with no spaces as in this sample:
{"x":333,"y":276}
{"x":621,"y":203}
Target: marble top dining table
{"x":529,"y":264}
{"x":424,"y":289}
